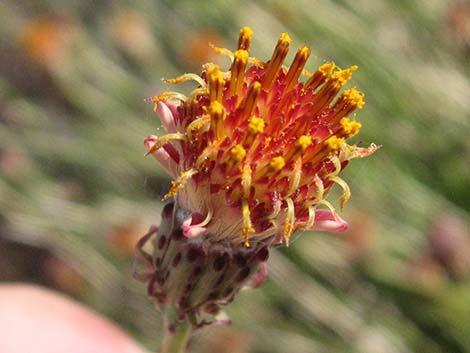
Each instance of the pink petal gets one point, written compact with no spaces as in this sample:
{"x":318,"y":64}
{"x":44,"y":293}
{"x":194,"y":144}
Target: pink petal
{"x":166,"y":117}
{"x":328,"y":221}
{"x":192,"y":231}
{"x":161,"y":156}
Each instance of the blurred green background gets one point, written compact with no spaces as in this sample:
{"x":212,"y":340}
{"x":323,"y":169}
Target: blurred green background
{"x":76,"y":191}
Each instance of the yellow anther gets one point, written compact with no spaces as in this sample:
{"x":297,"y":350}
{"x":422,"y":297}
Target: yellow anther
{"x":327,"y":69}
{"x":354,"y":97}
{"x":296,"y":68}
{"x":346,"y":191}
{"x":167,"y":96}
{"x":350,"y":127}
{"x":186,"y":77}
{"x":342,"y":76}
{"x":277,"y":163}
{"x":246,"y":180}
{"x":334,"y":143}
{"x":238,"y":72}
{"x":207,"y":154}
{"x":284,"y":38}
{"x":276,"y":61}
{"x":320,"y":76}
{"x":250,"y":101}
{"x":161,"y":141}
{"x":244,"y":40}
{"x":256,"y":125}
{"x":195,"y":126}
{"x":178,"y":184}
{"x":216,"y":111}
{"x":222,"y":51}
{"x":304,"y":141}
{"x":290,"y":220}
{"x":216,"y":83}
{"x":216,"y":108}
{"x":247,"y":225}
{"x":295,"y":177}
{"x":238,"y":153}
{"x":242,"y":56}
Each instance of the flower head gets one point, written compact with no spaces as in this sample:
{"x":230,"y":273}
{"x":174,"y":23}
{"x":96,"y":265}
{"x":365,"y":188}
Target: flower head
{"x":254,"y":150}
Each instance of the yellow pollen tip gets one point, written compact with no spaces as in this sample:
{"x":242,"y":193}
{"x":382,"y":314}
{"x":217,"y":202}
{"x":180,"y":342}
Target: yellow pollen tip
{"x":327,"y":69}
{"x":256,"y":125}
{"x":350,"y":127}
{"x":304,"y":52}
{"x":244,"y":39}
{"x":178,"y":184}
{"x":304,"y":141}
{"x":241,"y":56}
{"x":343,"y":76}
{"x":214,"y":75}
{"x":247,"y":228}
{"x":216,"y":108}
{"x":238,"y":153}
{"x":285,"y":38}
{"x":334,"y":143}
{"x":277,"y":163}
{"x":354,"y":97}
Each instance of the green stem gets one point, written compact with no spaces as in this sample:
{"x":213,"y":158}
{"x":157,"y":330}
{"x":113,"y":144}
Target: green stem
{"x":176,"y":338}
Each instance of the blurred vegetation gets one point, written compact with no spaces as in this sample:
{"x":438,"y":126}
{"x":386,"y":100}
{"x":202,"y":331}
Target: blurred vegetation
{"x":76,"y":191}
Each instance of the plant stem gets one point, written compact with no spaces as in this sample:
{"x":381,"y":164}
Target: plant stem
{"x":176,"y":338}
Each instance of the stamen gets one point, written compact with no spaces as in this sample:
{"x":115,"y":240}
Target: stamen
{"x":296,"y":67}
{"x":247,"y":225}
{"x":327,"y":69}
{"x":295,"y":177}
{"x":196,"y":92}
{"x":340,"y":77}
{"x":320,"y":191}
{"x":238,"y":72}
{"x":216,"y":83}
{"x":304,"y":142}
{"x":168,"y":96}
{"x":322,"y":74}
{"x":354,"y":98}
{"x":276,"y":209}
{"x":277,"y":163}
{"x":186,"y":77}
{"x":346,"y":191}
{"x":256,"y":125}
{"x":222,"y":51}
{"x":276,"y":61}
{"x":337,"y":164}
{"x":244,"y":40}
{"x":334,"y":143}
{"x":246,"y":181}
{"x":311,"y":218}
{"x":290,"y":219}
{"x":350,"y":127}
{"x":196,"y":125}
{"x":208,"y":152}
{"x":301,"y":145}
{"x":238,"y":153}
{"x":178,"y":184}
{"x":161,"y":141}
{"x":250,"y":101}
{"x":217,"y":111}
